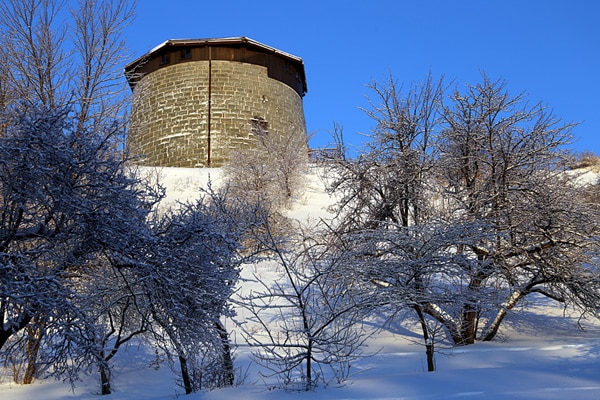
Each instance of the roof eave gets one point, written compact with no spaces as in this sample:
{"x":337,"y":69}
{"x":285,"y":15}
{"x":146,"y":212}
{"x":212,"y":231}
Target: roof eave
{"x":230,"y":40}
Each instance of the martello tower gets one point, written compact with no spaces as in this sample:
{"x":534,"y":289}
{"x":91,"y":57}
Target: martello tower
{"x":194,"y":101}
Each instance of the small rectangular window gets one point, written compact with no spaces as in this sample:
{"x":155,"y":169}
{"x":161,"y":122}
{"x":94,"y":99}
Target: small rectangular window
{"x":185,"y":54}
{"x":165,"y":59}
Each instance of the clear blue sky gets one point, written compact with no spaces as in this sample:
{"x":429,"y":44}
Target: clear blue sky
{"x":547,"y":48}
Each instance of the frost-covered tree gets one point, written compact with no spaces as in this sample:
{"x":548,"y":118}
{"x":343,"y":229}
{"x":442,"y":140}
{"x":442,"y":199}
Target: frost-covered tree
{"x":56,"y":52}
{"x":421,"y":274}
{"x":388,"y":181}
{"x":86,"y":265}
{"x":193,"y":270}
{"x":305,"y":324}
{"x":500,"y":165}
{"x":110,"y":298}
{"x":66,"y":201}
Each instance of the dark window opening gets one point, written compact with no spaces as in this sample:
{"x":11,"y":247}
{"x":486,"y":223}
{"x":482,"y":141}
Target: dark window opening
{"x":259,"y":126}
{"x":185,"y":54}
{"x":165,"y":59}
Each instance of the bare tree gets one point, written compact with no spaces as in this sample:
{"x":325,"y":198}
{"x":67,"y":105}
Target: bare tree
{"x":55,"y":57}
{"x":504,"y":220}
{"x":35,"y":37}
{"x":7,"y":97}
{"x":340,"y":146}
{"x":388,"y":181}
{"x":306,"y":325}
{"x":273,"y":170}
{"x":500,"y":165}
{"x":98,"y":36}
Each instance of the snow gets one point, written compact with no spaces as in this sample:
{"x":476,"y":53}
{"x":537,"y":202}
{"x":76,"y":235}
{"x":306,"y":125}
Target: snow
{"x":586,"y":177}
{"x":541,"y":353}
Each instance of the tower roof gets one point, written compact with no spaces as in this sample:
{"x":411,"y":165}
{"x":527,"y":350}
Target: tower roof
{"x":155,"y":58}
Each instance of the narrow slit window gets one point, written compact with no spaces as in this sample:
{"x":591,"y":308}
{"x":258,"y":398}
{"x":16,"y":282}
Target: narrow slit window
{"x":259,"y":126}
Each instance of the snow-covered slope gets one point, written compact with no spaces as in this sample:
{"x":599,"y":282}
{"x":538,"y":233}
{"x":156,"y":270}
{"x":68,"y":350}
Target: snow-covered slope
{"x":541,"y":352}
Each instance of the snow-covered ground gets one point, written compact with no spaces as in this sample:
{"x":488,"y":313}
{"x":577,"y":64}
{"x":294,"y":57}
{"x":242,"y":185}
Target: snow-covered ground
{"x":541,"y":353}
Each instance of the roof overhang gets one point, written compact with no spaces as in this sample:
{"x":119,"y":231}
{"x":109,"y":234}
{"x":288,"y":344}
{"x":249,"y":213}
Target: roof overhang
{"x":242,"y":40}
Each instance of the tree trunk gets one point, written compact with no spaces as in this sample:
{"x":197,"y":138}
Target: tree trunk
{"x":451,"y":326}
{"x":105,"y":379}
{"x":429,"y":344}
{"x":228,"y":372}
{"x":470,"y":313}
{"x":430,"y":351}
{"x":309,"y":382}
{"x":32,"y":348}
{"x":468,"y":332}
{"x":4,"y":335}
{"x":492,"y":329}
{"x":185,"y":375}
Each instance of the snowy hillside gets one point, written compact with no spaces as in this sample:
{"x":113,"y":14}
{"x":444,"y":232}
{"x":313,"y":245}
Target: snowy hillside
{"x":541,"y":353}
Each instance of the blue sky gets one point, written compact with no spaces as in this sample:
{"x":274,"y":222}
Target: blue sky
{"x":547,"y":48}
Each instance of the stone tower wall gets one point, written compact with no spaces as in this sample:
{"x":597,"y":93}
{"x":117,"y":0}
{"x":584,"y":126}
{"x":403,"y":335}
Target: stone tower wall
{"x":170,"y":115}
